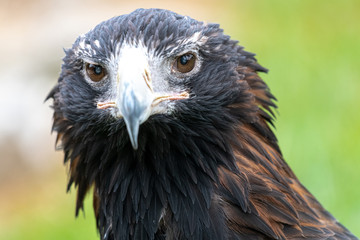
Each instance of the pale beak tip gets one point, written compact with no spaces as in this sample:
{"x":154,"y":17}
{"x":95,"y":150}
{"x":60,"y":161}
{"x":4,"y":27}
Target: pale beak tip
{"x":133,"y":131}
{"x":134,"y":143}
{"x":133,"y":138}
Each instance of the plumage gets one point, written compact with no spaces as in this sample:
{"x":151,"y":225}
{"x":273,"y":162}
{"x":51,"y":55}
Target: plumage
{"x":172,"y":154}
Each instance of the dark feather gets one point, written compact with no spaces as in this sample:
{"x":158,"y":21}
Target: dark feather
{"x":212,"y":169}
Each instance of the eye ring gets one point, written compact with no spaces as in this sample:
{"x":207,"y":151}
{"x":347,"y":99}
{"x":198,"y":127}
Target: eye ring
{"x":95,"y":72}
{"x":184,"y":63}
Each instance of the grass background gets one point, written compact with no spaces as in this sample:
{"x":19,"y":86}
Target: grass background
{"x":312,"y":49}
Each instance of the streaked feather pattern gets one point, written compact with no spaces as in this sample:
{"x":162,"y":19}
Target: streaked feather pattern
{"x":210,"y":170}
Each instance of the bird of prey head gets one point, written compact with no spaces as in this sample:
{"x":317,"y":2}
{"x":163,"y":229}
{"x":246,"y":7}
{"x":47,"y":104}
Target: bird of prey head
{"x":167,"y":118}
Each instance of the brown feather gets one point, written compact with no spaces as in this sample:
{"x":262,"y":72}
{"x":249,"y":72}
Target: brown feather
{"x":278,"y":206}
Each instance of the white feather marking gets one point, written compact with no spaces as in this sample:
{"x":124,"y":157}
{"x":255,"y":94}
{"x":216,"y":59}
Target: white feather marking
{"x":196,"y":38}
{"x":82,"y":43}
{"x":97,"y":43}
{"x":163,"y":211}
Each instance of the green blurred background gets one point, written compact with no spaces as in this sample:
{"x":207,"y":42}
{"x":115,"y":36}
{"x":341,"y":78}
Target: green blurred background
{"x":312,"y":49}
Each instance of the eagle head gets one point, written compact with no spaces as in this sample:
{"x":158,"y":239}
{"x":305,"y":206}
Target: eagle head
{"x":168,"y":120}
{"x":150,"y":65}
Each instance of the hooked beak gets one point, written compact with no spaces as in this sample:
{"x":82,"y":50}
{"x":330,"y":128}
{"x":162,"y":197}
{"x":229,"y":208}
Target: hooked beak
{"x":135,"y":98}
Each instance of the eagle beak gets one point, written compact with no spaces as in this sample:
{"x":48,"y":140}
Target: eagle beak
{"x":135,"y":98}
{"x":137,"y":103}
{"x":135,"y":109}
{"x":134,"y":93}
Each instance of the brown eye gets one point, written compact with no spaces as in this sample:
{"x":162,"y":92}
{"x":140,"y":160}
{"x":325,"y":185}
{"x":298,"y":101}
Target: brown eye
{"x":95,"y":72}
{"x":185,"y":63}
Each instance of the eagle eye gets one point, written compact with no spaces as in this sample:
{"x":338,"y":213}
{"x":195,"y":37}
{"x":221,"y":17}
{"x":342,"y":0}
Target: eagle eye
{"x":95,"y":72}
{"x":184,"y":63}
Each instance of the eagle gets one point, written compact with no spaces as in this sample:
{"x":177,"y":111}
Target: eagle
{"x":166,"y":120}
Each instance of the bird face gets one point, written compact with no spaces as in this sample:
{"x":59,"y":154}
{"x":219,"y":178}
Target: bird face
{"x":189,"y":99}
{"x":128,"y":69}
{"x":140,"y":85}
